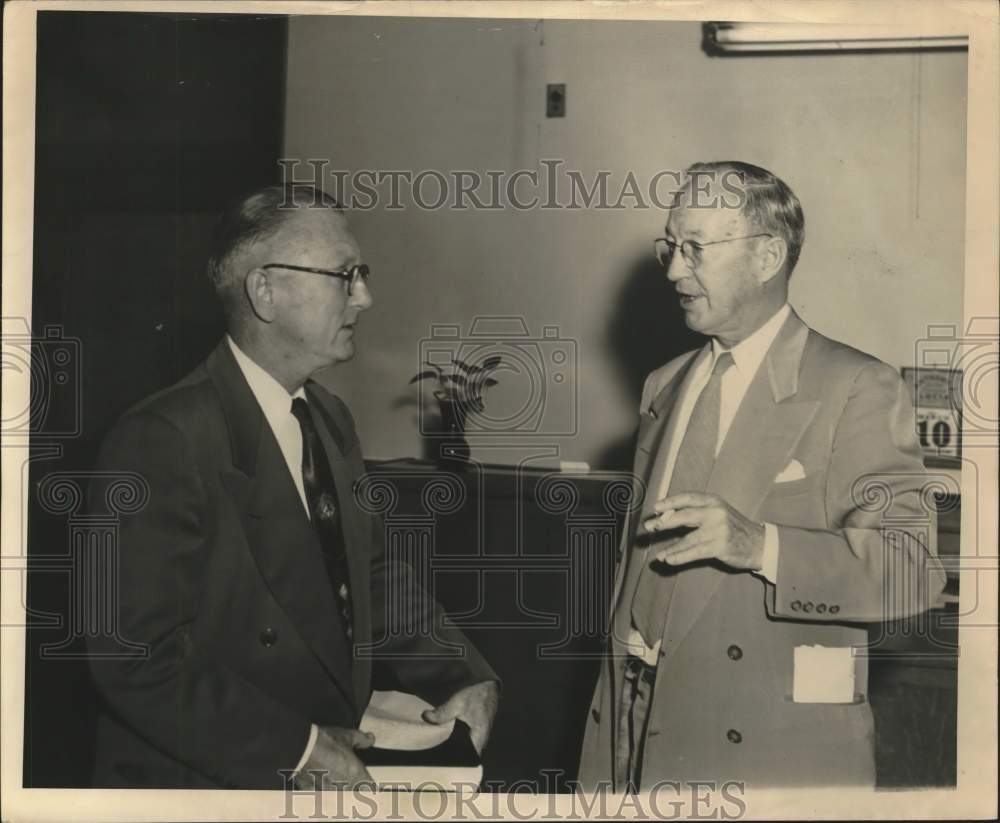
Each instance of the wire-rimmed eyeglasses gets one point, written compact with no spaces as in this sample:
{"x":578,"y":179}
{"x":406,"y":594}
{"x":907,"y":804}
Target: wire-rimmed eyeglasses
{"x":351,"y":276}
{"x":691,"y":250}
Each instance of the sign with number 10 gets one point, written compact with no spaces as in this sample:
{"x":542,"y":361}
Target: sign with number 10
{"x":937,"y":399}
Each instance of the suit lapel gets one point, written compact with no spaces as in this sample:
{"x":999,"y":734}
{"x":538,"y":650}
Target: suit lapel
{"x":662,"y":422}
{"x":655,"y":429}
{"x":278,"y":531}
{"x":766,"y":429}
{"x":347,"y":465}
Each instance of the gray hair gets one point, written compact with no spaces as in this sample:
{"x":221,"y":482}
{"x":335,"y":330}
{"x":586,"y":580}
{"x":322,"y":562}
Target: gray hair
{"x":768,"y":204}
{"x":254,"y":217}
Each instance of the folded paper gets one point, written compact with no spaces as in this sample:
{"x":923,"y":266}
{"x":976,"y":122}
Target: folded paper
{"x":410,"y":753}
{"x":396,"y":720}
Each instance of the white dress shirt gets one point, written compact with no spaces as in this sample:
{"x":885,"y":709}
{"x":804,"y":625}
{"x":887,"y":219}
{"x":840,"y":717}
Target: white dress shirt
{"x":276,"y":404}
{"x":747,"y":355}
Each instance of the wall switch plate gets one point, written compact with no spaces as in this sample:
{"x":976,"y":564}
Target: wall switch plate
{"x":555,"y":100}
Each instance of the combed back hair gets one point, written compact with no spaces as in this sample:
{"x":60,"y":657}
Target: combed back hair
{"x":254,"y":217}
{"x":769,"y":205}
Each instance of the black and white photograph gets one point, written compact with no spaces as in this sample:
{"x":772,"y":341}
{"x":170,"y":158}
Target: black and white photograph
{"x":506,"y":410}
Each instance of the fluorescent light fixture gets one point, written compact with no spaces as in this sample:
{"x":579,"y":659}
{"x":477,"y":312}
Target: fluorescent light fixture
{"x":792,"y":37}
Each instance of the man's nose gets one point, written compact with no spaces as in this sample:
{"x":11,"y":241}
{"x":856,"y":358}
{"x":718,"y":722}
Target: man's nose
{"x":677,"y":269}
{"x":361,"y":296}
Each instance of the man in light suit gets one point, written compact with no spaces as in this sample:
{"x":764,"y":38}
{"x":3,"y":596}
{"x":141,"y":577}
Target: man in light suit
{"x":259,"y":585}
{"x":784,"y":508}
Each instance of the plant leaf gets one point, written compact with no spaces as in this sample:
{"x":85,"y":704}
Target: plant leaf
{"x":489,"y":381}
{"x":492,"y":362}
{"x":422,"y":376}
{"x":458,"y":379}
{"x":462,"y":365}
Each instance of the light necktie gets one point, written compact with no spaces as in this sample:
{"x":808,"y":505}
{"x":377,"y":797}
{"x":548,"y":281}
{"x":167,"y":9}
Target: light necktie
{"x":321,"y":494}
{"x":692,"y":469}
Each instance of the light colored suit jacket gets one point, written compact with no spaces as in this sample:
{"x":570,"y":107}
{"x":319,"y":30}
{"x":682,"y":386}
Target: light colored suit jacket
{"x":722,"y":704}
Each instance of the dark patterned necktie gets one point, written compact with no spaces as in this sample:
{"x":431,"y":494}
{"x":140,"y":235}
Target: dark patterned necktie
{"x":692,"y":469}
{"x":321,"y":493}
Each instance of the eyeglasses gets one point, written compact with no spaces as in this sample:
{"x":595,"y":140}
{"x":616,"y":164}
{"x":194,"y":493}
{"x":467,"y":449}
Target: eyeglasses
{"x":351,"y":276}
{"x":691,"y":251}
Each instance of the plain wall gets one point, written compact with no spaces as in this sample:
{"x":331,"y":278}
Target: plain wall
{"x":873,"y":144}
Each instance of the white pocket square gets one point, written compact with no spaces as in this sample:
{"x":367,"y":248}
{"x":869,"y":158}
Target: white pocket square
{"x":793,"y":471}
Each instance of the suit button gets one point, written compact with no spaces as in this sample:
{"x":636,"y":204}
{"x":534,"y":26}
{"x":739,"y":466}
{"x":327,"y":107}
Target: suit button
{"x":734,"y":736}
{"x":820,"y":608}
{"x":807,"y":606}
{"x":268,"y":637}
{"x":734,"y":652}
{"x":834,"y":609}
{"x":796,"y":605}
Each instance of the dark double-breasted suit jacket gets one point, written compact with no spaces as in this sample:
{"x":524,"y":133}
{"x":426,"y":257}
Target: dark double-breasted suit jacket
{"x":856,"y":533}
{"x":220,"y":575}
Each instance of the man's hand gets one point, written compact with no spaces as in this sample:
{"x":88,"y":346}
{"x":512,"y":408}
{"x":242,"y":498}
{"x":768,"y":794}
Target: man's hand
{"x":475,"y":705}
{"x":720,"y":532}
{"x":334,"y":758}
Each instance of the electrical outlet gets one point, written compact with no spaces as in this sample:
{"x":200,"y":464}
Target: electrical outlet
{"x":555,"y":100}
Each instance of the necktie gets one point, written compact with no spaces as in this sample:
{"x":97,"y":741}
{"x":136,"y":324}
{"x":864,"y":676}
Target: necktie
{"x":321,"y":494}
{"x":692,"y":469}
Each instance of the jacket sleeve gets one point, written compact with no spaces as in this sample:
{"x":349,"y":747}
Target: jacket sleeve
{"x":177,"y":696}
{"x":423,"y":653}
{"x":417,"y":649}
{"x":877,"y":558}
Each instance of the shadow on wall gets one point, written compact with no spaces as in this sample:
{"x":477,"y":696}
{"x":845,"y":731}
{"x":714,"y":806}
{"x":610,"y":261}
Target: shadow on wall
{"x":645,"y":331}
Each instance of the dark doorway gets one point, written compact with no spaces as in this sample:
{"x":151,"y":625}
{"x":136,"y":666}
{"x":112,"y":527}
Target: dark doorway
{"x":146,"y":125}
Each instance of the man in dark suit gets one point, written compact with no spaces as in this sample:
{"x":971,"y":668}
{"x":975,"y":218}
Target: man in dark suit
{"x":785,"y":508}
{"x":252,"y":575}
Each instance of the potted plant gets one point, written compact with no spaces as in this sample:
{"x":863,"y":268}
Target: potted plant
{"x":460,"y":392}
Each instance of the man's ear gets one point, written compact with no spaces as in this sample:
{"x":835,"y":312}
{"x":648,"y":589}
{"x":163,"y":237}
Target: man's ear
{"x":260,"y":293}
{"x":772,"y":255}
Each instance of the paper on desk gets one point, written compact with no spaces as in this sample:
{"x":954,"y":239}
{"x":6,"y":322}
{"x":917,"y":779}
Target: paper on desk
{"x":395,"y":720}
{"x":823,"y":674}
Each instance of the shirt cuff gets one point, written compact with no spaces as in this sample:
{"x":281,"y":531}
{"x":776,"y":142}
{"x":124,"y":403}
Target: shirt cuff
{"x":310,"y":745}
{"x":769,"y":560}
